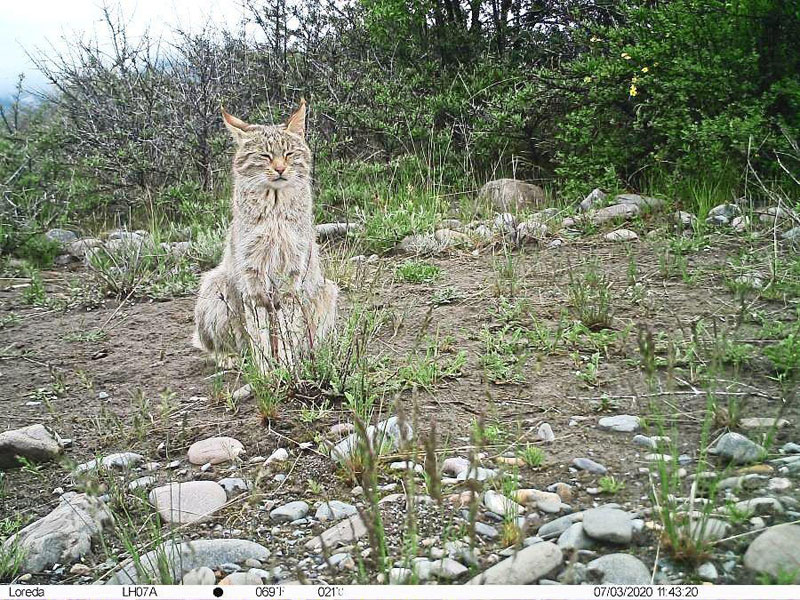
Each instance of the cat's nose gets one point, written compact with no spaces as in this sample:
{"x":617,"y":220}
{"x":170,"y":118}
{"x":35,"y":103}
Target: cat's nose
{"x":279,"y":168}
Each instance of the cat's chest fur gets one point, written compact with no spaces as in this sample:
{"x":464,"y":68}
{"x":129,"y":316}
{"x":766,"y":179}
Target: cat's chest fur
{"x":274,"y":236}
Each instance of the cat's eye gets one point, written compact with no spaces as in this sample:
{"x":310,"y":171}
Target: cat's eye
{"x":288,"y":154}
{"x":266,"y":155}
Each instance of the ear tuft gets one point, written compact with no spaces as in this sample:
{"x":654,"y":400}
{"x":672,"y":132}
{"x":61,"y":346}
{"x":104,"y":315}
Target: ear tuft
{"x":236,"y":126}
{"x":297,"y":122}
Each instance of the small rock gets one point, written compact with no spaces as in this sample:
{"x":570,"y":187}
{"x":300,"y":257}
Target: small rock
{"x":342,"y":429}
{"x":621,"y":423}
{"x":621,"y":235}
{"x":545,"y":433}
{"x":455,"y":466}
{"x":685,"y":219}
{"x":80,"y":570}
{"x":558,"y":526}
{"x":329,"y":231}
{"x":199,"y":576}
{"x":280,"y":455}
{"x":242,"y":394}
{"x":188,"y":502}
{"x":642,"y":202}
{"x":527,"y":566}
{"x":707,"y":572}
{"x":545,"y":501}
{"x":62,"y":236}
{"x":738,"y":449}
{"x":622,"y":569}
{"x":574,"y":539}
{"x":447,"y":568}
{"x":762,"y":423}
{"x":234,"y":486}
{"x":214,"y":450}
{"x":289,"y":512}
{"x":406,"y":465}
{"x":587,"y":464}
{"x":486,"y":531}
{"x":608,"y":525}
{"x":729,"y":211}
{"x":740,"y":224}
{"x":348,"y":530}
{"x":477,"y":474}
{"x":501,"y":505}
{"x":334,"y":510}
{"x":33,"y":442}
{"x":399,"y":575}
{"x":595,"y":197}
{"x":759,"y":506}
{"x":615,"y":211}
{"x":774,"y":552}
{"x":118,"y":460}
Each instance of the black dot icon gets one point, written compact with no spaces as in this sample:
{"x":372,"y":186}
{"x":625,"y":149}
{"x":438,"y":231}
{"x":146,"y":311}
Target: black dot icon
{"x":218,"y":592}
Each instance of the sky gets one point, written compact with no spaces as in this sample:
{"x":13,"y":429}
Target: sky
{"x":28,"y":25}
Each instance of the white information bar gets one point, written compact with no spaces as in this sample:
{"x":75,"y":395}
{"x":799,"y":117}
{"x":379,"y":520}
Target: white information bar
{"x":400,"y":592}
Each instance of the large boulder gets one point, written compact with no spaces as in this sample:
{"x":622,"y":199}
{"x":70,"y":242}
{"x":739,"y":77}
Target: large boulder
{"x":776,"y":552}
{"x":511,"y":195}
{"x":64,"y":535}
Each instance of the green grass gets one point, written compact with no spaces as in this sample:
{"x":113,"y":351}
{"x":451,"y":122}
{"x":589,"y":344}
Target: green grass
{"x":591,"y":298}
{"x":532,"y":455}
{"x":417,"y":271}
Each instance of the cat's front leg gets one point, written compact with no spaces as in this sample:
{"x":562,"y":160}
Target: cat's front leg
{"x":259,"y":291}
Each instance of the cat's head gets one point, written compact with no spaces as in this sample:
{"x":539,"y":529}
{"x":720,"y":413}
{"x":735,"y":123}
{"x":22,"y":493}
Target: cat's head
{"x":270,"y":156}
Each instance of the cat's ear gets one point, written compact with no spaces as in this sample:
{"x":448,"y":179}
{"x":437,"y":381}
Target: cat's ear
{"x":237,"y":127}
{"x":297,"y":122}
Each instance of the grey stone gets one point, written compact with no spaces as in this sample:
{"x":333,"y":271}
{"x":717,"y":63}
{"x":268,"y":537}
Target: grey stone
{"x":707,"y":530}
{"x":501,"y":505}
{"x":615,"y":211}
{"x":728,"y":211}
{"x":289,"y":512}
{"x":685,"y":219}
{"x":587,"y":464}
{"x":334,"y":510}
{"x":243,"y":393}
{"x":455,"y":466}
{"x":645,"y":442}
{"x":642,"y":202}
{"x":447,"y":568}
{"x":558,"y":526}
{"x":214,"y":450}
{"x":595,"y":197}
{"x":574,"y":539}
{"x":511,"y":194}
{"x":252,"y":577}
{"x":234,"y":486}
{"x":329,"y":231}
{"x":621,"y":423}
{"x":793,"y":235}
{"x":525,"y":567}
{"x":545,"y":433}
{"x":385,"y":434}
{"x":142,"y":482}
{"x":608,"y":525}
{"x":621,"y":235}
{"x":200,"y":576}
{"x":420,"y":244}
{"x":181,"y":558}
{"x":531,"y":231}
{"x":62,"y":536}
{"x":738,"y":449}
{"x":477,"y":474}
{"x":707,"y":572}
{"x":486,"y":531}
{"x":775,"y":552}
{"x":619,"y":568}
{"x":188,"y":502}
{"x":451,"y":239}
{"x":33,"y":442}
{"x":346,"y":531}
{"x":118,"y":460}
{"x":759,"y":506}
{"x":62,"y":236}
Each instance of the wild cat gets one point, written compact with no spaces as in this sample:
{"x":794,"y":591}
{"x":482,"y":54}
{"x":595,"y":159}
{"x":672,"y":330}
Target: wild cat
{"x":269,"y":289}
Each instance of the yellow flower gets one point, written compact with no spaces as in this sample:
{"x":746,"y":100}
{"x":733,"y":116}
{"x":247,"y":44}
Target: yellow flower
{"x":626,"y":56}
{"x":587,"y":79}
{"x":594,"y":39}
{"x":645,"y":69}
{"x":633,"y":91}
{"x":634,"y":79}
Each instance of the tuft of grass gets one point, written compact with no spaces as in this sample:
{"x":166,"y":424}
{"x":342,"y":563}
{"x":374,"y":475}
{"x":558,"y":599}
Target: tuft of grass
{"x":610,"y":484}
{"x":532,"y":455}
{"x":591,"y":298}
{"x":417,"y":271}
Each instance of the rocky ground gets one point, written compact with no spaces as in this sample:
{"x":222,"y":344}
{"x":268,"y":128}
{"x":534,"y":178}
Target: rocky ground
{"x":608,"y":395}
